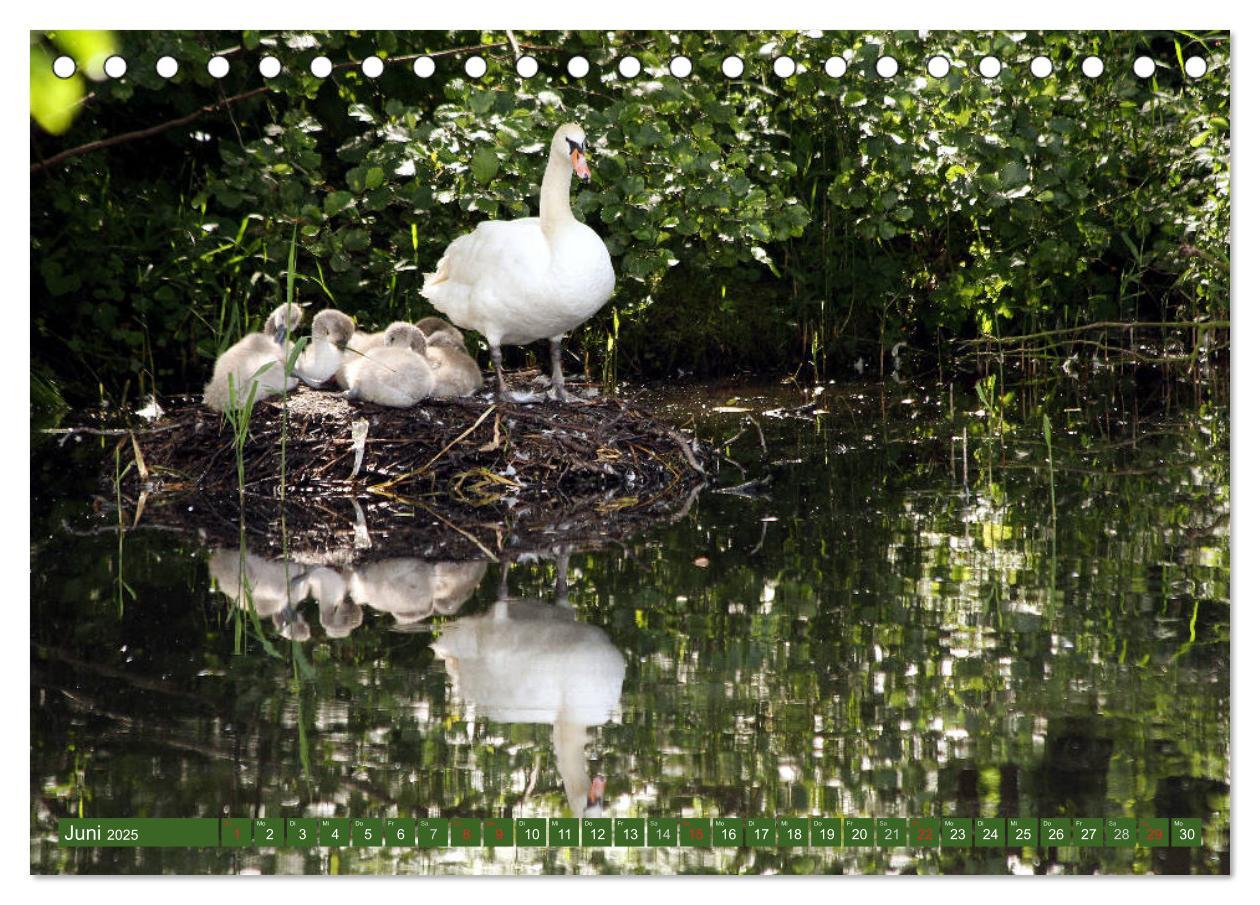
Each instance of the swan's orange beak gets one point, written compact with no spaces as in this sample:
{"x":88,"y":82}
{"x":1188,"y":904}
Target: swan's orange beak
{"x":579,"y":165}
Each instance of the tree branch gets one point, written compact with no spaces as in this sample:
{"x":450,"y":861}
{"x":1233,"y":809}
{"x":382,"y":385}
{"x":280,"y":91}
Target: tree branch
{"x":142,"y":133}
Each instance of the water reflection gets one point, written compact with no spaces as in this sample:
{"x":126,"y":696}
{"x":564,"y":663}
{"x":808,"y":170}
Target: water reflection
{"x":411,"y":590}
{"x":898,"y":622}
{"x":530,"y":661}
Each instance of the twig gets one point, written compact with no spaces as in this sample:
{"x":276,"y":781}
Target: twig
{"x":99,"y":144}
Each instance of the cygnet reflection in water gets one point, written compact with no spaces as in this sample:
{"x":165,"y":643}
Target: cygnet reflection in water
{"x":529,"y":661}
{"x":412,"y":590}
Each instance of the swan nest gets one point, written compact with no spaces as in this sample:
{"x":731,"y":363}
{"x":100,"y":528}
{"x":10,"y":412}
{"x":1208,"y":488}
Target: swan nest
{"x":466,"y":477}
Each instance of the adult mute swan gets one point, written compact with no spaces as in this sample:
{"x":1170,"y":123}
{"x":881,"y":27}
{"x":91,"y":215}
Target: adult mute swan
{"x":395,"y":373}
{"x":258,"y":359}
{"x":528,"y":661}
{"x":518,"y":281}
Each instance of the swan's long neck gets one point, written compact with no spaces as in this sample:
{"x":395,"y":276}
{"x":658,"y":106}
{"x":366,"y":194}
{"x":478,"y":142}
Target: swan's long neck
{"x":553,"y":200}
{"x":570,"y":741}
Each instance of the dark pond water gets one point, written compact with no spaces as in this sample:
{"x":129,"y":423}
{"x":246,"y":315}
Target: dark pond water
{"x":884,"y":620}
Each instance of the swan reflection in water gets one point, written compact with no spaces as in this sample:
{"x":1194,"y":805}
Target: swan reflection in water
{"x":529,"y":661}
{"x":411,"y":590}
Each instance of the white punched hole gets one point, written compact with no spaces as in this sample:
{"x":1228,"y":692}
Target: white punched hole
{"x":990,"y":67}
{"x":835,"y":67}
{"x":1041,"y":67}
{"x":680,"y":67}
{"x":63,"y":67}
{"x":321,"y":67}
{"x":732,"y":67}
{"x":115,"y":67}
{"x":269,"y":67}
{"x":1092,"y":67}
{"x":217,"y":67}
{"x":1144,"y":67}
{"x":166,"y":67}
{"x":579,"y":67}
{"x":475,"y":67}
{"x":1196,"y":67}
{"x":887,"y":67}
{"x":424,"y":67}
{"x":373,"y":67}
{"x":527,"y":67}
{"x":629,"y":67}
{"x":784,"y":67}
{"x":938,"y":67}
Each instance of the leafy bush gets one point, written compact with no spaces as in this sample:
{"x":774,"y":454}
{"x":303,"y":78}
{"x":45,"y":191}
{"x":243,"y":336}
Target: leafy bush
{"x":756,"y":222}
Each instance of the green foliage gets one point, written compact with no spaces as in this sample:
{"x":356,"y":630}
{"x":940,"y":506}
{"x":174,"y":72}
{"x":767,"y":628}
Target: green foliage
{"x":757,"y":222}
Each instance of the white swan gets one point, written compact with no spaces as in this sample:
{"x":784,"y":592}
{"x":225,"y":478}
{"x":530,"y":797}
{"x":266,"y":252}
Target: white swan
{"x":527,"y":661}
{"x":455,"y":373}
{"x":321,"y":359}
{"x":396,"y":373}
{"x":258,"y":360}
{"x":518,"y":281}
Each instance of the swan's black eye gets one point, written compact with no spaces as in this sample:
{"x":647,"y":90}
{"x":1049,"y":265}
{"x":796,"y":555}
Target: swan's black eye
{"x":575,"y":145}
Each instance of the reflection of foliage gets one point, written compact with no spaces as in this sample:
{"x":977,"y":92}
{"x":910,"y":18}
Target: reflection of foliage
{"x":757,"y":221}
{"x":890,"y":645}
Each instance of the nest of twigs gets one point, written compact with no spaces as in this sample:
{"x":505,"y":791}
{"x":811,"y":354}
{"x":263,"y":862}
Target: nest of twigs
{"x":468,"y":477}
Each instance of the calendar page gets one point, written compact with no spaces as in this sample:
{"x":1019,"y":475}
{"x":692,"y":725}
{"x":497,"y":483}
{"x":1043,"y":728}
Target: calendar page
{"x":622,"y":452}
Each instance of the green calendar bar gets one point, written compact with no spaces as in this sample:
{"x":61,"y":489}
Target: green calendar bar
{"x":923,"y":832}
{"x":140,"y":832}
{"x":859,"y":831}
{"x":269,"y":831}
{"x":400,"y":832}
{"x":662,"y":831}
{"x":728,"y":831}
{"x":1055,"y":831}
{"x":1121,"y":832}
{"x":1021,"y":832}
{"x":301,"y":832}
{"x":826,"y":832}
{"x":629,"y":832}
{"x":1153,"y":832}
{"x":890,"y":832}
{"x":563,"y":831}
{"x":236,"y":832}
{"x":634,"y":832}
{"x":597,"y":832}
{"x":365,"y":832}
{"x":499,"y":832}
{"x":1088,"y":832}
{"x":1187,"y":832}
{"x":433,"y":832}
{"x":695,"y":832}
{"x":990,"y":832}
{"x":531,"y":832}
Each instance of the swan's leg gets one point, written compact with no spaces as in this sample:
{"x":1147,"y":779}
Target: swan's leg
{"x":562,"y":580}
{"x":500,"y":386}
{"x":557,"y":392}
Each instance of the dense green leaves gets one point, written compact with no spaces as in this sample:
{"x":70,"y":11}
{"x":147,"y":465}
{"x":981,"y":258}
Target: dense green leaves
{"x":753,"y":222}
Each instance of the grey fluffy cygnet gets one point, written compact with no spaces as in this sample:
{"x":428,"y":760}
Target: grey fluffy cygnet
{"x":331,"y":330}
{"x":395,"y":373}
{"x":432,"y":325}
{"x":455,"y":373}
{"x":256,"y":360}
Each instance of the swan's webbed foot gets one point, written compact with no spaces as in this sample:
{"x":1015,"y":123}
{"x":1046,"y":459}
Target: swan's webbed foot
{"x":557,"y":393}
